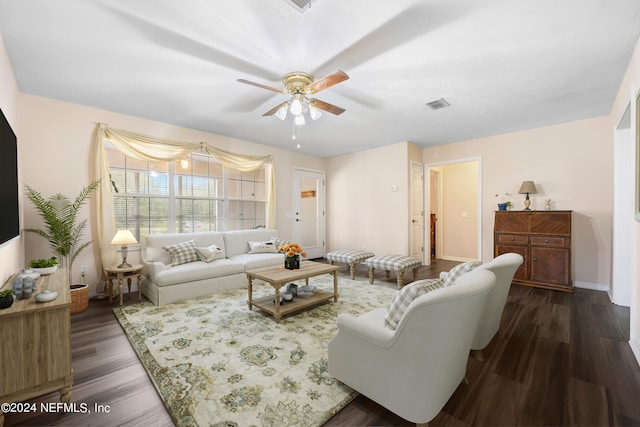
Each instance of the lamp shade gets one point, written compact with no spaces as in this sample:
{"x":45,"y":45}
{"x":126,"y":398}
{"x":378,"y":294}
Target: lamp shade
{"x":528,"y":187}
{"x":124,"y":237}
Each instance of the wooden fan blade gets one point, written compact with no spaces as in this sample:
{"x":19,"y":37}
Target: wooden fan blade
{"x":327,"y":81}
{"x":274,"y":109}
{"x":333,"y":109}
{"x":261,"y":85}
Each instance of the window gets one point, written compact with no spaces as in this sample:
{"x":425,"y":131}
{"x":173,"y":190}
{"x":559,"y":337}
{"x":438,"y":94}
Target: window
{"x":193,"y":194}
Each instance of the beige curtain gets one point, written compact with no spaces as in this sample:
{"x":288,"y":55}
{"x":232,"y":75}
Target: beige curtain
{"x":143,"y":147}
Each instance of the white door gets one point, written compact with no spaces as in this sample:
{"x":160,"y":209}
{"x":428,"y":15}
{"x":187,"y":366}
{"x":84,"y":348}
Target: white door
{"x":309,"y":220}
{"x":417,"y":212}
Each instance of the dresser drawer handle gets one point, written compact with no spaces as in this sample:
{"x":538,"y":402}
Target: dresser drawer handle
{"x":546,"y":240}
{"x":513,"y":238}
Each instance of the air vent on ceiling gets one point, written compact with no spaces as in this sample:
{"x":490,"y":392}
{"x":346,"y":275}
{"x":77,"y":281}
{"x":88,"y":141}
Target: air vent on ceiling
{"x":301,"y":5}
{"x":438,"y":104}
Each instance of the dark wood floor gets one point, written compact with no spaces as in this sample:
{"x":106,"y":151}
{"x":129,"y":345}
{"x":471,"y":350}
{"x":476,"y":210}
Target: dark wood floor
{"x":559,"y":359}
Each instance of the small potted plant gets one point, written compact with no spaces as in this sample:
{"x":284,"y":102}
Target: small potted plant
{"x":6,"y":298}
{"x":503,"y":203}
{"x":44,"y":266}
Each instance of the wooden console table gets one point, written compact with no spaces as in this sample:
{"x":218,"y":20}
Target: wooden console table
{"x":35,"y":349}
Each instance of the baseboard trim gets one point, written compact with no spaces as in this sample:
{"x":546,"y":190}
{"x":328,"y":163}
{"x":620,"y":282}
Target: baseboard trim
{"x":635,"y":348}
{"x":591,"y":286}
{"x":453,"y":258}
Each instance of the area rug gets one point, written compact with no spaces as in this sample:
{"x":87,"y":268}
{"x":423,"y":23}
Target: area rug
{"x":216,"y":363}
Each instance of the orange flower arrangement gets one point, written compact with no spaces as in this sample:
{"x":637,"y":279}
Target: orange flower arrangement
{"x":291,"y":249}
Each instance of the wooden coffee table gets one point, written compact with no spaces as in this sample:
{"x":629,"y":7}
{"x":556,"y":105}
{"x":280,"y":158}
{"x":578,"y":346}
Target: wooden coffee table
{"x":279,"y":276}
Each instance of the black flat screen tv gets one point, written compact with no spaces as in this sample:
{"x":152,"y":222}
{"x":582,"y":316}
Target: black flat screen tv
{"x":9,"y":210}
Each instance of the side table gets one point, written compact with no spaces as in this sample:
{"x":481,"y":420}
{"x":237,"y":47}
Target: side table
{"x":119,"y":274}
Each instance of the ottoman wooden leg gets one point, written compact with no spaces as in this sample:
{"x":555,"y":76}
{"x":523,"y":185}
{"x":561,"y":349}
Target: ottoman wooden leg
{"x":370,"y":275}
{"x":400,"y":278}
{"x":415,"y":274}
{"x":352,"y":268}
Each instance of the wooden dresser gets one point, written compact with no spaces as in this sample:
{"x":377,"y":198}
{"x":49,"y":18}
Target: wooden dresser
{"x":35,"y":344}
{"x":543,"y":238}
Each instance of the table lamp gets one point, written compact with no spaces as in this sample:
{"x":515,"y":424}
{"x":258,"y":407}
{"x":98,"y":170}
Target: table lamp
{"x":123,"y":238}
{"x":527,"y":187}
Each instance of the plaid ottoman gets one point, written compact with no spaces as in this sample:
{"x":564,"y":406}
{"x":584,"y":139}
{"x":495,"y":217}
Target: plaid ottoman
{"x":397,"y":263}
{"x":349,"y":256}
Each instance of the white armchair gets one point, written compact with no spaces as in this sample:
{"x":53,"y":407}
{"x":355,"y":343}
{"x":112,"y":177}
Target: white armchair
{"x":412,"y":370}
{"x":504,"y":267}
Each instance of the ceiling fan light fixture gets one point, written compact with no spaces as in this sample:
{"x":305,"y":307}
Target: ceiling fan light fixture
{"x":299,"y":120}
{"x":296,"y":105}
{"x":282,"y":111}
{"x":314,"y":113}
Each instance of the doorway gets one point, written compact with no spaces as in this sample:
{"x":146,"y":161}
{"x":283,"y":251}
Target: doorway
{"x":454,"y":203}
{"x":435,"y":235}
{"x":309,"y":221}
{"x":417,"y":211}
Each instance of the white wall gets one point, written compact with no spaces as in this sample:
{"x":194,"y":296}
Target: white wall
{"x":11,"y":253}
{"x":364,"y":212}
{"x":56,"y":140}
{"x":627,"y":93}
{"x":460,"y":211}
{"x":571,"y":164}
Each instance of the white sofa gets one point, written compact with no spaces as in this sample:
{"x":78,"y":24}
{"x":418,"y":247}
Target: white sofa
{"x":164,"y":284}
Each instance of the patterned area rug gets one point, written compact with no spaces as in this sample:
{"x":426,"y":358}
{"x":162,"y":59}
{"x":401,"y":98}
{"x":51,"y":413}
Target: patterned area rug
{"x":215,"y":363}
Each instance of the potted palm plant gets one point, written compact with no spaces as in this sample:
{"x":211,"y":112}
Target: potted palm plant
{"x":64,"y":232}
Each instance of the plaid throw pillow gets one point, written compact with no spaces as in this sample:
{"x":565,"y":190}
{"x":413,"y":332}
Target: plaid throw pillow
{"x":209,"y":253}
{"x":405,"y":297}
{"x":182,"y":253}
{"x":458,"y":271}
{"x":278,"y":242}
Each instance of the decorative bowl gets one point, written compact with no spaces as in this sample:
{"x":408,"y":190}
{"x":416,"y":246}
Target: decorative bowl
{"x":46,"y":270}
{"x":46,"y":295}
{"x":287,"y":296}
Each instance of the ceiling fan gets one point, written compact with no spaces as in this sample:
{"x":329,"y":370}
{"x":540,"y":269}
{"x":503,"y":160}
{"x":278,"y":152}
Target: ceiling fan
{"x":299,"y":85}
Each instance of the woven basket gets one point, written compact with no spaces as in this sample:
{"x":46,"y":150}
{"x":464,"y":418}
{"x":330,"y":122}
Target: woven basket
{"x":79,"y":298}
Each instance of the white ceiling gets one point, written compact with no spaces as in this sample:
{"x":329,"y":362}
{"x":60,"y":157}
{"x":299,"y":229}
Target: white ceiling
{"x":503,"y":65}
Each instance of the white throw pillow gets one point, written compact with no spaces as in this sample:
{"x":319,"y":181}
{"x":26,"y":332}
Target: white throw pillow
{"x":458,"y":271}
{"x":405,"y":296}
{"x":182,"y":253}
{"x":209,"y":253}
{"x":267,"y":247}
